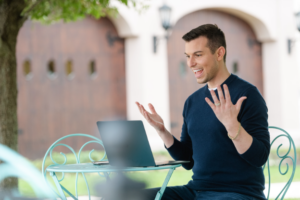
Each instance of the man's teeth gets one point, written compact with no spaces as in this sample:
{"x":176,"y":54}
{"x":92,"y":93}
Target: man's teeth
{"x":197,"y":70}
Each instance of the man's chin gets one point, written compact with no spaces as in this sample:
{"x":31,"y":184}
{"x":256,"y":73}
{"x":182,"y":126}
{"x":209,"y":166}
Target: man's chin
{"x":201,"y":81}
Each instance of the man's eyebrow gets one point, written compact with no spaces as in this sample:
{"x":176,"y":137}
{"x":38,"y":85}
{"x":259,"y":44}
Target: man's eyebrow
{"x":194,"y":52}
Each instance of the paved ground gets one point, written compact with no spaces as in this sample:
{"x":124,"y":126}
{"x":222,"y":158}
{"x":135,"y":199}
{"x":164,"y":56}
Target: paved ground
{"x":293,"y":192}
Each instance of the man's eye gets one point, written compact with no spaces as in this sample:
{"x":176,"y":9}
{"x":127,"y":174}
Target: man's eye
{"x":198,"y":55}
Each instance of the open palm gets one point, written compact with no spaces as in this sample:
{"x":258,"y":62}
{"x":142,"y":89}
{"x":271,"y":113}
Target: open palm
{"x":223,"y":108}
{"x":153,"y":118}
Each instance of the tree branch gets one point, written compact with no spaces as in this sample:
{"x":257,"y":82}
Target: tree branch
{"x":26,"y":14}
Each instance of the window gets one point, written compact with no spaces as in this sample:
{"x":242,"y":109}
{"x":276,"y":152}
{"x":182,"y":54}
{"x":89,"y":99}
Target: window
{"x":92,"y":69}
{"x":27,"y":69}
{"x":182,"y":68}
{"x":69,"y":69}
{"x":51,"y":69}
{"x":235,"y":67}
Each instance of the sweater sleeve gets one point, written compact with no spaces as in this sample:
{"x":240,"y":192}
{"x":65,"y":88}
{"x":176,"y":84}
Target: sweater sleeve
{"x":253,"y":117}
{"x":182,"y":150}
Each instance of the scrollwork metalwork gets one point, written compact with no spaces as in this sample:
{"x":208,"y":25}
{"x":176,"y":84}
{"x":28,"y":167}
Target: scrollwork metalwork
{"x":77,"y":156}
{"x":283,"y":158}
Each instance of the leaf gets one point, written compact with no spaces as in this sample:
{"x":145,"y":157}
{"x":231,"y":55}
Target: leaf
{"x":49,"y":11}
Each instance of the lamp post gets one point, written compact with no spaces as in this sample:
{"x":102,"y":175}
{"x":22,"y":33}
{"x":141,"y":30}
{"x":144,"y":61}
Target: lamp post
{"x":298,"y":20}
{"x":290,"y":41}
{"x":165,"y":17}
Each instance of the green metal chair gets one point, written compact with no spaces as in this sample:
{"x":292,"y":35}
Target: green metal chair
{"x":77,"y":158}
{"x":15,"y":165}
{"x":290,"y":154}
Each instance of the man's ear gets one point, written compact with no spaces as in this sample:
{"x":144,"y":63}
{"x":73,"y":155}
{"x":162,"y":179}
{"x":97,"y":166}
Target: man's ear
{"x":220,"y":53}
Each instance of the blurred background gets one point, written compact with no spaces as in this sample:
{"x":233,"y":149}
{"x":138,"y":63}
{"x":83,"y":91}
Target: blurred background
{"x":71,"y":75}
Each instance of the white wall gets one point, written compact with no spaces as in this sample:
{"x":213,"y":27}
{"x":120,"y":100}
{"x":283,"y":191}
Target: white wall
{"x":146,"y":72}
{"x":296,"y":9}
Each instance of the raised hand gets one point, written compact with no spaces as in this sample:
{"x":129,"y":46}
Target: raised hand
{"x":223,"y":108}
{"x":153,"y":118}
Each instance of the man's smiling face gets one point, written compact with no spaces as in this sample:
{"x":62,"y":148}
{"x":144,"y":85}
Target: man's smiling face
{"x":200,"y":59}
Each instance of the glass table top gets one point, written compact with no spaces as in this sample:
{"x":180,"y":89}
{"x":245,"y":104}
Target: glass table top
{"x":90,"y":168}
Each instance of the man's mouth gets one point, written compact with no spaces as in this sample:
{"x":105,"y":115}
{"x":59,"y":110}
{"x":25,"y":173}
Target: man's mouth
{"x":198,"y":72}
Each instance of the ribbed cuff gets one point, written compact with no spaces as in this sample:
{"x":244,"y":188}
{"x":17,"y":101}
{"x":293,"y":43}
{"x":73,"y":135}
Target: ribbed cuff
{"x":252,"y":155}
{"x":174,"y":146}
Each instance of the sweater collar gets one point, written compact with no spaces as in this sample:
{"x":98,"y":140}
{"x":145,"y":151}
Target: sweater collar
{"x":227,"y":82}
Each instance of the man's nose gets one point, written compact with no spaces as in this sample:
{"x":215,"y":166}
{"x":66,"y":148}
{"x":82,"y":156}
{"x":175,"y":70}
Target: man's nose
{"x":191,"y":63}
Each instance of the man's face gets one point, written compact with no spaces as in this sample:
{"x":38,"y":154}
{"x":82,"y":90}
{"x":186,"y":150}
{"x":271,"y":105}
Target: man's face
{"x":200,"y":59}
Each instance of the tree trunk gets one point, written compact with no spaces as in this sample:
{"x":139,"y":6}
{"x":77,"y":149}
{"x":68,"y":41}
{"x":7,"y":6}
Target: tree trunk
{"x":10,"y":24}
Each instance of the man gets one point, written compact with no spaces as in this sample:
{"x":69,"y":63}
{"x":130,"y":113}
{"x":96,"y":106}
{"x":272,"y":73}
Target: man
{"x":224,"y":135}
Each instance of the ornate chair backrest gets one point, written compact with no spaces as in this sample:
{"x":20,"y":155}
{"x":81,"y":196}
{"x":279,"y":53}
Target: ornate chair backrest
{"x":59,"y":142}
{"x":290,"y":156}
{"x":15,"y":165}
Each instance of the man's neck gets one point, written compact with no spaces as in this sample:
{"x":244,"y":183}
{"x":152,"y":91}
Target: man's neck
{"x":220,"y":77}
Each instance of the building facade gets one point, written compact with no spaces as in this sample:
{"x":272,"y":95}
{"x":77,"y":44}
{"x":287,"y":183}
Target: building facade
{"x":69,"y":77}
{"x":72,"y":75}
{"x":273,"y":24}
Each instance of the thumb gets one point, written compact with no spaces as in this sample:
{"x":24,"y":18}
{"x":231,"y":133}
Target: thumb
{"x":239,"y":102}
{"x":152,"y":109}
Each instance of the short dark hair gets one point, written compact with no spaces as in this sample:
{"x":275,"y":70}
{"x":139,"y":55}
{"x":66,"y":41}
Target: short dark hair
{"x":212,"y":32}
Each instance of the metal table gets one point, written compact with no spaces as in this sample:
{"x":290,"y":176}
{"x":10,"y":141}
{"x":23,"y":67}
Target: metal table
{"x":105,"y":169}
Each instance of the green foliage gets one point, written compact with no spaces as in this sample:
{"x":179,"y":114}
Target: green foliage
{"x":150,"y":178}
{"x":275,"y":160}
{"x":48,"y":11}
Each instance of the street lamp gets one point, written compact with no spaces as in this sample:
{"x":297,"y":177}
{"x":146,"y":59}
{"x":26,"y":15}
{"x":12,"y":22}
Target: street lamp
{"x":290,"y":41}
{"x":165,"y":17}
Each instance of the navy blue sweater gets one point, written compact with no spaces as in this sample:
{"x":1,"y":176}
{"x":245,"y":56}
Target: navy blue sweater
{"x":216,"y":164}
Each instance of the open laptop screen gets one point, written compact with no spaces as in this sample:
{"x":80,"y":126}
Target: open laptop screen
{"x":126,"y":143}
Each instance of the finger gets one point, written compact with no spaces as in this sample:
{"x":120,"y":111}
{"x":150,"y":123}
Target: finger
{"x":227,"y":94}
{"x":143,"y":109}
{"x":239,"y":102}
{"x":139,"y":106}
{"x":213,"y":107}
{"x":221,"y":96}
{"x":152,"y":109}
{"x":214,"y":96}
{"x":148,"y":118}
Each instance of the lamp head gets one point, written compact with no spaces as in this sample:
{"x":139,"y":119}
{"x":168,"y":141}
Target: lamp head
{"x":298,"y":20}
{"x":165,"y":16}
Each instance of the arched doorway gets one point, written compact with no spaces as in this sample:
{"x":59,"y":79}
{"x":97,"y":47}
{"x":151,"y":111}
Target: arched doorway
{"x":69,"y":77}
{"x":243,"y":58}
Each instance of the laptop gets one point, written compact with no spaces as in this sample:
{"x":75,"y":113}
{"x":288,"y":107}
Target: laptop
{"x":126,"y":144}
